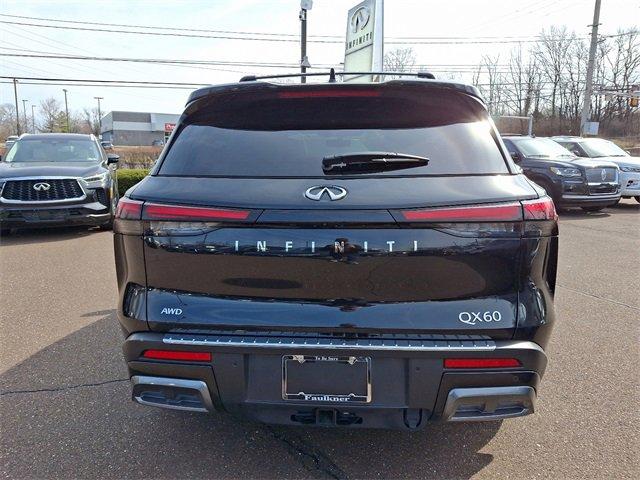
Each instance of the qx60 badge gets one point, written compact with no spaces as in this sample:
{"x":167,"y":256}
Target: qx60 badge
{"x":326,"y":192}
{"x":41,"y":187}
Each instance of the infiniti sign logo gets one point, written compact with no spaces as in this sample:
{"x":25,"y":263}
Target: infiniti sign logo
{"x":330,"y":192}
{"x":359,"y":19}
{"x":41,"y":187}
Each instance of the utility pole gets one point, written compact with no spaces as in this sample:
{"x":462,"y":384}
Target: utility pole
{"x":586,"y":106}
{"x":24,"y":114}
{"x":33,"y":117}
{"x":15,"y":92}
{"x":99,"y":118}
{"x":66,"y":107}
{"x":305,"y":5}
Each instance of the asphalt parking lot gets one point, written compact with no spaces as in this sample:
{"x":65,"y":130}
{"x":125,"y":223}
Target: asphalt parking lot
{"x":65,"y":408}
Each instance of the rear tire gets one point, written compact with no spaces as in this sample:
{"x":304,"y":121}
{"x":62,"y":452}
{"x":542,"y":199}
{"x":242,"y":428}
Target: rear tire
{"x":592,"y":209}
{"x":637,"y":197}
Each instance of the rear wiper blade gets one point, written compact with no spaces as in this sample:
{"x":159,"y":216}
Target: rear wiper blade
{"x":371,"y":162}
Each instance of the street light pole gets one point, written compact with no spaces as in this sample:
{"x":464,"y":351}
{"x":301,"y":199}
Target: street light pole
{"x":24,"y":115}
{"x":586,"y":106}
{"x":99,"y":118}
{"x":33,"y":117}
{"x":305,"y":5}
{"x":15,"y":93}
{"x":66,"y":107}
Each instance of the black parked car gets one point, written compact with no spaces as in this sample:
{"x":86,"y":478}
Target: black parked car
{"x":57,"y":179}
{"x":363,"y":255}
{"x":571,"y":181}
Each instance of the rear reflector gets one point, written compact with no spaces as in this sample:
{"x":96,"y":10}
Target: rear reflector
{"x":539,"y":209}
{"x":504,"y":212}
{"x":176,"y":355}
{"x":338,"y":92}
{"x":481,"y":362}
{"x":128,"y":209}
{"x":154,"y":211}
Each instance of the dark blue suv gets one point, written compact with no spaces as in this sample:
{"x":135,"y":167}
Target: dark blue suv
{"x":590,"y":184}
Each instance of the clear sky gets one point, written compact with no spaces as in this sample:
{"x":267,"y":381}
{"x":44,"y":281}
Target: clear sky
{"x":403,"y":18}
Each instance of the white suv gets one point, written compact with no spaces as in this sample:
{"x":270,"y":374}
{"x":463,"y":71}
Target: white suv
{"x":604,"y":149}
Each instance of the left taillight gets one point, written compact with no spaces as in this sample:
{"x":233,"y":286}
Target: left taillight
{"x":135,"y":218}
{"x":128,"y":218}
{"x":156,"y":211}
{"x":129,"y":209}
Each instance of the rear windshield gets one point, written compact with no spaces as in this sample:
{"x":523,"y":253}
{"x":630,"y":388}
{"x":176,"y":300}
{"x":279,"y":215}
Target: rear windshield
{"x":289,"y":136}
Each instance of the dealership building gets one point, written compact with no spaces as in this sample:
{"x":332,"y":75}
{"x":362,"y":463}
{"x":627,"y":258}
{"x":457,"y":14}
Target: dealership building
{"x":137,"y":128}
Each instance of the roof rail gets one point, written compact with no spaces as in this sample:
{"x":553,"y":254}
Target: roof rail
{"x":332,"y":75}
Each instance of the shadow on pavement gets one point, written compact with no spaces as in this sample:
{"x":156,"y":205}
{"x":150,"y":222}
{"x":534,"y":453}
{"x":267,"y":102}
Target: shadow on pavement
{"x":41,"y":235}
{"x":66,"y":412}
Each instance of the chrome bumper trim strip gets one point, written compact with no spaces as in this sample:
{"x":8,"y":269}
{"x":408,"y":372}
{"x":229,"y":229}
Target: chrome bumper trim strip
{"x":409,"y":345}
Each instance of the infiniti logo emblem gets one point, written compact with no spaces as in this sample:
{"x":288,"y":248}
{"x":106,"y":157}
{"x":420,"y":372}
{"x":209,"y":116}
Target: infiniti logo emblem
{"x":359,"y":19}
{"x":331,"y":192}
{"x":41,"y":187}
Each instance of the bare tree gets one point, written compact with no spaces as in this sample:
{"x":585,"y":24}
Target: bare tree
{"x":523,"y":83}
{"x":399,"y":60}
{"x":491,"y":83}
{"x":91,"y":121}
{"x":552,"y":54}
{"x":7,"y":120}
{"x":51,"y":115}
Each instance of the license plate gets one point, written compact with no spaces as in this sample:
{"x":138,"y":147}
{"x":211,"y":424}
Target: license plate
{"x":44,"y":215}
{"x":311,"y":378}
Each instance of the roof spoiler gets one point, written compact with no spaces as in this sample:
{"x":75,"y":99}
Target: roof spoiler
{"x":332,"y":75}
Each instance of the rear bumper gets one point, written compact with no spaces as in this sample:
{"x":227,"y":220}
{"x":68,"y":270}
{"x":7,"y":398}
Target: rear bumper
{"x":409,"y":384}
{"x":26,"y":216}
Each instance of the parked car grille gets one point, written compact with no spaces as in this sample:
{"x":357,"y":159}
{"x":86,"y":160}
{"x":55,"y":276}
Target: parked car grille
{"x":59,"y":189}
{"x":596,"y":175}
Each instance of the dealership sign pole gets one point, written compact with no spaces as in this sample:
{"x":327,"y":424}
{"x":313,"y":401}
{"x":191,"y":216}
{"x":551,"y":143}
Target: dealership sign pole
{"x":364,"y":47}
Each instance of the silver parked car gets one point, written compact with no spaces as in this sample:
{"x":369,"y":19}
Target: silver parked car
{"x":607,"y":150}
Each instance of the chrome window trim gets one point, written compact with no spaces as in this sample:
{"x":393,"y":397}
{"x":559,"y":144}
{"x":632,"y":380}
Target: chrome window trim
{"x":44,"y":179}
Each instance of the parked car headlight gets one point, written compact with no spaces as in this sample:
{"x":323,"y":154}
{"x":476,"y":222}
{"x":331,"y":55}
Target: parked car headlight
{"x":96,"y":178}
{"x":566,"y":172}
{"x":628,"y":168}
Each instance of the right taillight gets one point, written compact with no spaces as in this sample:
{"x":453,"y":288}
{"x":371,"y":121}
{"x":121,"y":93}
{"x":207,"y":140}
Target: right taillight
{"x":499,"y":212}
{"x":539,"y":209}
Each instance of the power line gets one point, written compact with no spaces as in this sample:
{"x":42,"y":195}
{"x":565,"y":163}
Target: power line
{"x":416,"y":41}
{"x":71,"y":81}
{"x":155,"y":60}
{"x":235,"y":32}
{"x":103,"y":81}
{"x":470,"y":68}
{"x":103,"y":86}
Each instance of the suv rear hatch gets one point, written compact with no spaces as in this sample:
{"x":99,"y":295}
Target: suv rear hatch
{"x":234,"y":238}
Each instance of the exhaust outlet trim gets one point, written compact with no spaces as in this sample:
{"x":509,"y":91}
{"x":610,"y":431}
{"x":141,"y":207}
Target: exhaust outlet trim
{"x":188,"y":395}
